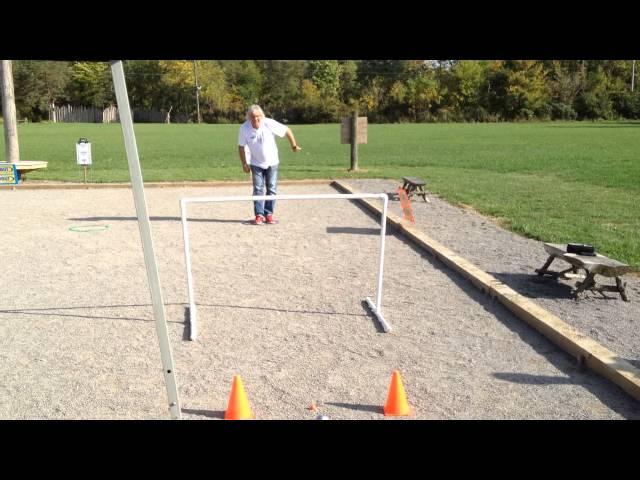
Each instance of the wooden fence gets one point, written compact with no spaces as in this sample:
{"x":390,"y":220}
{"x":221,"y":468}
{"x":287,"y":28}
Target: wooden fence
{"x":110,"y":115}
{"x":70,"y":113}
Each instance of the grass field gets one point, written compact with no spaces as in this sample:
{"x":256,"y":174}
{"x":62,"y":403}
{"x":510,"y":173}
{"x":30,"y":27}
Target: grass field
{"x":556,"y":182}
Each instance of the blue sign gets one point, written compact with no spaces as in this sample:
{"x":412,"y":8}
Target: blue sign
{"x":8,"y":174}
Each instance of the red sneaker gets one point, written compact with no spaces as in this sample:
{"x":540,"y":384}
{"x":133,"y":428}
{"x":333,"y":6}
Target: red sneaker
{"x":259,"y":220}
{"x":270,"y":219}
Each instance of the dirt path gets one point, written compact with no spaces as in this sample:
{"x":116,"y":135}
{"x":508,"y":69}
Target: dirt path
{"x":282,"y":307}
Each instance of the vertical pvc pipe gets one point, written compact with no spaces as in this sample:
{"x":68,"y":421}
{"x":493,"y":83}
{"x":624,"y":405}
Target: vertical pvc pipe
{"x":383,"y":232}
{"x":193,"y":325}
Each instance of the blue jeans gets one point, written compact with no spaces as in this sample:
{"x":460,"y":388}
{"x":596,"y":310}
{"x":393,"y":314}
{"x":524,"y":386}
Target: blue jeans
{"x":260,"y":177}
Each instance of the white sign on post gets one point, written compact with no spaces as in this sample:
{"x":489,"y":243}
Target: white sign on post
{"x":83,"y":152}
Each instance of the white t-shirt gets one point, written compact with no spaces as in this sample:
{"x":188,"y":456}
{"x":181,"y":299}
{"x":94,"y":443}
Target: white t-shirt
{"x":262,"y":142}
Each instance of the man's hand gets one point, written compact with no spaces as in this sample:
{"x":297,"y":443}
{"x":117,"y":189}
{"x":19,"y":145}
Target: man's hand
{"x":296,"y":148}
{"x":246,"y":168}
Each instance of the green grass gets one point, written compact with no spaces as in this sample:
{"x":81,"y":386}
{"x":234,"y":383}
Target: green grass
{"x":560,"y":182}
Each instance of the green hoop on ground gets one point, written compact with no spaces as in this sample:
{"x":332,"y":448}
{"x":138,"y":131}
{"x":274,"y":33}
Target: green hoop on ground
{"x":88,"y":228}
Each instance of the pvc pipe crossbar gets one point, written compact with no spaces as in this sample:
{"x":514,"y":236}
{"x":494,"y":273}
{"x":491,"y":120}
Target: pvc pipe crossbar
{"x":376,"y":308}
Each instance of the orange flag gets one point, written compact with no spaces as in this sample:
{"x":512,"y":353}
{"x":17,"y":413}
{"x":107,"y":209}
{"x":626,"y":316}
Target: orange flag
{"x":405,"y":203}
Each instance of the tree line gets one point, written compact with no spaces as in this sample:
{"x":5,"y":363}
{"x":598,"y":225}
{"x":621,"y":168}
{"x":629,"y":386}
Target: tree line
{"x":319,"y":91}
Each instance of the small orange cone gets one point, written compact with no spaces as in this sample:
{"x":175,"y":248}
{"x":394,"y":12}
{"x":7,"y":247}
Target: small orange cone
{"x":396,"y":400}
{"x":238,"y":408}
{"x":313,"y":407}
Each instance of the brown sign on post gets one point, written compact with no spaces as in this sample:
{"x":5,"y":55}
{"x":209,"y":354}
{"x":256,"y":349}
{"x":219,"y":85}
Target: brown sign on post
{"x":345,"y":131}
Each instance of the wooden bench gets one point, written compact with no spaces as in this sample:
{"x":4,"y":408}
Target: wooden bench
{"x":592,"y":265}
{"x":414,"y":186}
{"x":26,"y":166}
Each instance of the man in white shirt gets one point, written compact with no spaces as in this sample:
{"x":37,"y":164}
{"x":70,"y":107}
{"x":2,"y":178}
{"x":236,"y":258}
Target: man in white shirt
{"x":258,"y":134}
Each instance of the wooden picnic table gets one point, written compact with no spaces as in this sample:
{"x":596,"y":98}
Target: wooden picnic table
{"x":414,"y":186}
{"x":26,"y":166}
{"x":592,"y":265}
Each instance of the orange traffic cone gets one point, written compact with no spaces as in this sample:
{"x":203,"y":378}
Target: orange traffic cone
{"x":396,"y":400}
{"x":238,"y":408}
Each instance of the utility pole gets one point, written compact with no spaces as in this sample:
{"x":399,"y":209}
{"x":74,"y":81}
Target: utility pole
{"x":633,"y":74}
{"x":11,"y":150}
{"x":195,"y":74}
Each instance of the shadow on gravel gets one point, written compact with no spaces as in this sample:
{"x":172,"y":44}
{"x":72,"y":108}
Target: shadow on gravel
{"x":54,"y":312}
{"x":528,"y":379}
{"x":204,"y":413}
{"x":635,"y":362}
{"x":354,"y":230}
{"x":375,"y":321}
{"x":357,"y":406}
{"x":186,"y":333}
{"x":315,"y":312}
{"x":607,"y":392}
{"x":367,"y":313}
{"x":156,"y":219}
{"x":534,"y":286}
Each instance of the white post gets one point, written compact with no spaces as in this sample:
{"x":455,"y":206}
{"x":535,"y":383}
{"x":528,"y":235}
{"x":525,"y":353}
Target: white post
{"x":193,"y":324}
{"x":375,"y":308}
{"x":145,"y":233}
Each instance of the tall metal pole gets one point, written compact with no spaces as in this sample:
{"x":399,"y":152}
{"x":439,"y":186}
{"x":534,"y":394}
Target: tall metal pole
{"x":11,"y":148}
{"x":145,"y":232}
{"x":633,"y":74}
{"x":195,"y":74}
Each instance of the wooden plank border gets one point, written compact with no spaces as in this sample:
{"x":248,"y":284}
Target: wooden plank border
{"x":586,"y":350}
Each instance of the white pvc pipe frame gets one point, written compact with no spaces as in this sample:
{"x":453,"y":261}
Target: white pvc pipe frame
{"x":375,"y":308}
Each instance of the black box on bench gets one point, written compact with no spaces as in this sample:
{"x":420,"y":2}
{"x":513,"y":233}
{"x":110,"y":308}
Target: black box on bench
{"x":581,"y":249}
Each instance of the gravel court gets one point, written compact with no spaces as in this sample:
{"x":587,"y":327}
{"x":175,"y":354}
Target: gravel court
{"x":512,"y":259}
{"x":78,"y":334}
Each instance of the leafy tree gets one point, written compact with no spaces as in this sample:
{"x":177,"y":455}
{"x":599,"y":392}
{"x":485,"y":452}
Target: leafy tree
{"x":311,"y":102}
{"x":516,"y":89}
{"x":178,"y":85}
{"x":37,"y":85}
{"x":215,"y":100}
{"x":349,"y":88}
{"x":466,"y":82}
{"x":371,"y":100}
{"x":383,"y":72}
{"x":377,"y":78}
{"x":567,"y":79}
{"x":625,"y":104}
{"x":325,"y":90}
{"x":594,"y":102}
{"x":325,"y":74}
{"x":90,"y":83}
{"x":244,"y":83}
{"x":144,"y":83}
{"x":526,"y":92}
{"x":282,"y":82}
{"x":422,"y":92}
